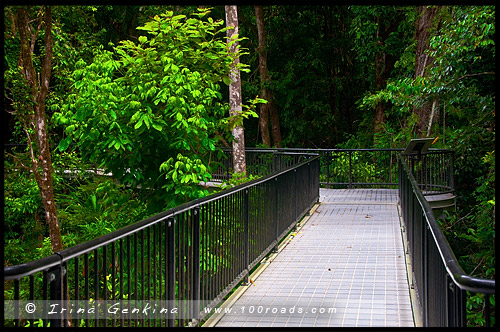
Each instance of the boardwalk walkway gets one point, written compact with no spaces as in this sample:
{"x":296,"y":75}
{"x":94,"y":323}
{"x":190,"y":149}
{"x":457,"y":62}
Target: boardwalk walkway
{"x":345,"y":267}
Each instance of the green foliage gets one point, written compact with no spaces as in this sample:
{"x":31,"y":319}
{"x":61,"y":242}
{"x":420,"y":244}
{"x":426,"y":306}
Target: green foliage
{"x":473,"y":230}
{"x":99,"y":207}
{"x":236,"y":179}
{"x":88,"y":206}
{"x":463,"y":56}
{"x":149,"y":103}
{"x":475,"y":310}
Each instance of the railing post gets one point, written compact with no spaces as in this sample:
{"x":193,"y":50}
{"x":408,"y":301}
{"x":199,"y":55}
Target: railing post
{"x":56,"y":292}
{"x":350,"y":169}
{"x":451,"y":171}
{"x":171,"y":271}
{"x":487,"y":309}
{"x":275,"y":166}
{"x":196,"y":264}
{"x":247,"y":240}
{"x":327,"y":158}
{"x":295,"y":189}
{"x":276,"y":213}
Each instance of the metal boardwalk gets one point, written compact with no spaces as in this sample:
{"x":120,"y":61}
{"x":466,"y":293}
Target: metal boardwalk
{"x":345,"y":267}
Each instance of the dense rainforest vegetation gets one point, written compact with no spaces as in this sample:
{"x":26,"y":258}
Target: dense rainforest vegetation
{"x":142,"y":92}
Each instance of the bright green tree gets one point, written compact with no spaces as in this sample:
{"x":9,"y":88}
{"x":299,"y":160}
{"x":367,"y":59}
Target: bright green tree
{"x":151,"y":111}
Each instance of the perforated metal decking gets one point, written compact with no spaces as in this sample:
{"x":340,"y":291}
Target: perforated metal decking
{"x":344,"y":268}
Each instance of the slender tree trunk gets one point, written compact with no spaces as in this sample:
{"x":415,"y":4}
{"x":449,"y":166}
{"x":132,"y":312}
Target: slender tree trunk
{"x":268,"y":110}
{"x":275,"y":123}
{"x":384,"y":64}
{"x":423,"y":61}
{"x":34,"y":114}
{"x":380,"y":83}
{"x":264,"y":77}
{"x":235,"y":99}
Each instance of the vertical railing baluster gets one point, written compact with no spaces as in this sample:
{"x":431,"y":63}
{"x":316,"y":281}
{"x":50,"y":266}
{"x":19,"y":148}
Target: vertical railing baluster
{"x":295,"y":193}
{"x":129,"y":277}
{"x":31,"y":297}
{"x":149,"y":279}
{"x":105,"y":279}
{"x":350,"y":169}
{"x":87,"y":287}
{"x":196,"y":264}
{"x":77,"y":290}
{"x":247,"y":244}
{"x":275,"y":216}
{"x":55,"y":278}
{"x":166,"y":254}
{"x":113,"y":278}
{"x":142,"y":255}
{"x":122,"y":271}
{"x":45,"y":295}
{"x":171,"y":271}
{"x":96,"y":284}
{"x":136,"y":274}
{"x":487,"y":310}
{"x":16,"y":303}
{"x":328,"y":155}
{"x":155,"y":276}
{"x":179,"y":244}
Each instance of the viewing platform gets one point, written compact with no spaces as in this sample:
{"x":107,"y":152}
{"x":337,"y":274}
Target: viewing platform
{"x":346,"y":262}
{"x":320,"y":238}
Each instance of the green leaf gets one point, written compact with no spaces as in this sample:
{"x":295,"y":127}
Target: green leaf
{"x":138,"y":124}
{"x":157,"y":126}
{"x":178,"y":17}
{"x":226,"y":80}
{"x":143,"y":39}
{"x":70,"y":129}
{"x":64,"y":144}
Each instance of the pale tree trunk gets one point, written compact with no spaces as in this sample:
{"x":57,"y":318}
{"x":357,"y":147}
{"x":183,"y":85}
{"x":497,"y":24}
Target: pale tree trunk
{"x":423,"y":61}
{"x":33,"y":116}
{"x":269,"y":110}
{"x":235,"y":99}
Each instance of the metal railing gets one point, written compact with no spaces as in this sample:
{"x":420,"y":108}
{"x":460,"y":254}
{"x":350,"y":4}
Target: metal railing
{"x":339,"y":168}
{"x":259,"y":162}
{"x":359,"y":168}
{"x":188,"y":258}
{"x":439,"y":281}
{"x":433,"y":171}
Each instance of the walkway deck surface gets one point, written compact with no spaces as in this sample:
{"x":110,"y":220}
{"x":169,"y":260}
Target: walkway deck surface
{"x":344,"y":268}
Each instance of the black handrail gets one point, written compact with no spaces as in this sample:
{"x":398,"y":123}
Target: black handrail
{"x":192,"y":255}
{"x":361,"y":168}
{"x":438,"y":278}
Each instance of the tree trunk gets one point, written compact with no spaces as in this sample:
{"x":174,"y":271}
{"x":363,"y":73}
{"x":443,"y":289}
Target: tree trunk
{"x":380,"y":83}
{"x":275,"y":123}
{"x":268,"y":110}
{"x":423,"y":61}
{"x":34,"y":119}
{"x":264,"y":77}
{"x":384,"y":63}
{"x":235,"y":99}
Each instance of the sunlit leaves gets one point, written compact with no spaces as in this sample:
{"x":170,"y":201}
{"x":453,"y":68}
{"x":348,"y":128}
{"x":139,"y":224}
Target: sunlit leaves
{"x":153,"y":100}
